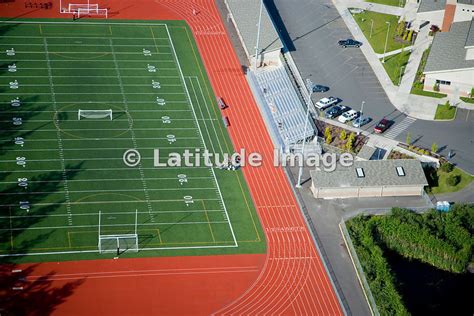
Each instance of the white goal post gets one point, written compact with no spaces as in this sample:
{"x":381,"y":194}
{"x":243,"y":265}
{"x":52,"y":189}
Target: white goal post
{"x":94,"y":114}
{"x":82,"y":9}
{"x":118,"y":243}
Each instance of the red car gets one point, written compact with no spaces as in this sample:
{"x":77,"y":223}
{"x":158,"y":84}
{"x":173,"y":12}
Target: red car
{"x":382,"y":126}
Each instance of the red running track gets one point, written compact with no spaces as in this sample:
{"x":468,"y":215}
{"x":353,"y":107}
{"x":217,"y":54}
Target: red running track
{"x":293,"y":279}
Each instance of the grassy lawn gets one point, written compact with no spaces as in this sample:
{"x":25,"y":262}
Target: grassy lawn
{"x":443,"y":187}
{"x":393,"y":65}
{"x":445,"y":112}
{"x":395,"y":3}
{"x":417,"y":87}
{"x":467,"y":100}
{"x":379,"y":31}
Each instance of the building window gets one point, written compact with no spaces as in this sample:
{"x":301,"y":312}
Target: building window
{"x":443,"y":82}
{"x":360,"y":173}
{"x":400,"y":171}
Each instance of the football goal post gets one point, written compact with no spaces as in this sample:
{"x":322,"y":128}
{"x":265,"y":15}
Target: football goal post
{"x":94,"y":114}
{"x":118,"y":243}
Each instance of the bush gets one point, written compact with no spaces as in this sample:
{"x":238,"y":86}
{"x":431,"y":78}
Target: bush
{"x":343,"y":135}
{"x":453,"y":180}
{"x":327,"y":131}
{"x":446,"y":167}
{"x":410,"y":36}
{"x":328,"y":139}
{"x":436,"y":87}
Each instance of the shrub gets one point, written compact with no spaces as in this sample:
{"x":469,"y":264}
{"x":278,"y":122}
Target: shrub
{"x":343,"y":135}
{"x":405,"y":34}
{"x":410,"y":36}
{"x":401,"y":27}
{"x":436,"y":87}
{"x":328,"y":139}
{"x":446,"y":167}
{"x":434,"y":148}
{"x":327,"y":132}
{"x":453,"y":180}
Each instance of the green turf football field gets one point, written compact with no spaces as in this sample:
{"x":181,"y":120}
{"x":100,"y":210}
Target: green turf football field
{"x":57,"y":172}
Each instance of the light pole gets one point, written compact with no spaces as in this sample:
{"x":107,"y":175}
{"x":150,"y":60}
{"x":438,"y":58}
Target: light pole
{"x":309,"y":86}
{"x":386,"y":41}
{"x":361,"y":113}
{"x":401,"y":72}
{"x":371,"y":27}
{"x":258,"y":33}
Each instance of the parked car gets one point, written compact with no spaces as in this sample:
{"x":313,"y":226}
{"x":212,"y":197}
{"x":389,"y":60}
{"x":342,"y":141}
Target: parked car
{"x":326,"y":102}
{"x":382,"y":126}
{"x":348,"y":116}
{"x":349,"y":43}
{"x":336,"y":110}
{"x":320,"y":88}
{"x":361,"y":121}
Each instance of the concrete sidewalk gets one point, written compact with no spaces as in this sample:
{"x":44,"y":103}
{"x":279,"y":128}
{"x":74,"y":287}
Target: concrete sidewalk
{"x":415,"y":106}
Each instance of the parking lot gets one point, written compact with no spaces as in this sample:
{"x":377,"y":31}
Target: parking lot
{"x":311,"y":29}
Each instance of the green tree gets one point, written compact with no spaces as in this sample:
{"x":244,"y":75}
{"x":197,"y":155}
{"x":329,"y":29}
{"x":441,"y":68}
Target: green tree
{"x":401,"y":27}
{"x":343,"y":134}
{"x":329,"y":139}
{"x":408,"y":139}
{"x":446,"y":167}
{"x":350,"y":142}
{"x":410,"y":36}
{"x":327,"y":132}
{"x":453,"y":180}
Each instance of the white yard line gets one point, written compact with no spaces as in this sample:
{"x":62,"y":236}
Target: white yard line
{"x":134,"y":141}
{"x":97,"y":214}
{"x":58,"y":133}
{"x":200,"y":132}
{"x":112,"y":225}
{"x":97,"y":251}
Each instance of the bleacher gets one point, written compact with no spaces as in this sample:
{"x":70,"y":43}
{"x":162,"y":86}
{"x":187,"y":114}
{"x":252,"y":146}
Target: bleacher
{"x":286,"y":108}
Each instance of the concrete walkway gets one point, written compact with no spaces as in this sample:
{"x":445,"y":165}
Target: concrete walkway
{"x":394,"y":52}
{"x":418,"y":107}
{"x":375,"y":7}
{"x":466,"y":195}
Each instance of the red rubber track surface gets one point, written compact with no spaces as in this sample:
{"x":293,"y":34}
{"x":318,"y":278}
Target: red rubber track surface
{"x":292,"y":280}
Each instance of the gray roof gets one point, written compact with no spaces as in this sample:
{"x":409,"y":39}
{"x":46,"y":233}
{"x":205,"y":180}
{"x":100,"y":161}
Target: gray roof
{"x":470,"y":35}
{"x":366,"y":152}
{"x":448,"y":51}
{"x":377,"y":173}
{"x":246,"y":15}
{"x":471,"y":2}
{"x":431,"y":5}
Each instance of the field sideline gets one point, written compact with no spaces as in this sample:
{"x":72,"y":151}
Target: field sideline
{"x":58,"y":172}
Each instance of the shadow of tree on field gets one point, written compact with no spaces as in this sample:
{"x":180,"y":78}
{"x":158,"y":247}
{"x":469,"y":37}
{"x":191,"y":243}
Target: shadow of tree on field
{"x":24,"y":293}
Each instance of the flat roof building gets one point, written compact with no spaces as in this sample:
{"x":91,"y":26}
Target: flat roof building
{"x":373,"y":178}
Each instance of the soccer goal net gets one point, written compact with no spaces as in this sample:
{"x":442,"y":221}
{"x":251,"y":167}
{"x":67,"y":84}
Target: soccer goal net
{"x":110,"y":241}
{"x":94,"y":114}
{"x":83,"y":9}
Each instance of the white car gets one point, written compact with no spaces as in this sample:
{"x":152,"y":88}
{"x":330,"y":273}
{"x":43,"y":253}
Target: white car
{"x":326,"y":102}
{"x":348,"y":116}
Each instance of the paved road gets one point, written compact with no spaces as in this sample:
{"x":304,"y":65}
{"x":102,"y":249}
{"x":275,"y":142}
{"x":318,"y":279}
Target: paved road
{"x":456,"y":135}
{"x":311,"y":29}
{"x":326,"y":215}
